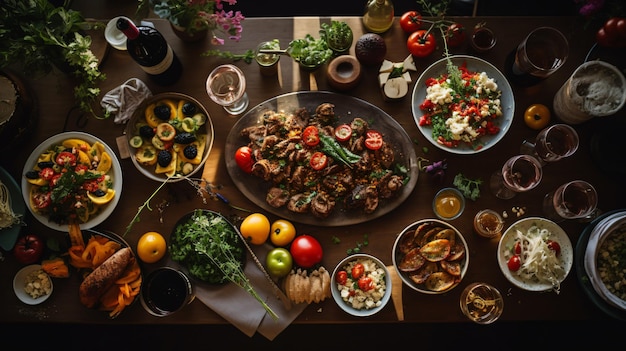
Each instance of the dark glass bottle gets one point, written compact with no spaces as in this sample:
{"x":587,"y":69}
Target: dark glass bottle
{"x":152,"y":52}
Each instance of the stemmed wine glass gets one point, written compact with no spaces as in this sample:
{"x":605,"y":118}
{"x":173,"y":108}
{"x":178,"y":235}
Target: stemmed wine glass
{"x":573,"y":200}
{"x":518,"y":174}
{"x":226,"y":86}
{"x":552,"y":143}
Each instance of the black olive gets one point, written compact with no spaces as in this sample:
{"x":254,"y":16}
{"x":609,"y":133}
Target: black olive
{"x":164,"y":158}
{"x":189,"y":109}
{"x":32,"y":174}
{"x":99,"y":193}
{"x":146,"y":131}
{"x":190,"y":151}
{"x":184,"y":138}
{"x":162,"y":112}
{"x":45,"y":164}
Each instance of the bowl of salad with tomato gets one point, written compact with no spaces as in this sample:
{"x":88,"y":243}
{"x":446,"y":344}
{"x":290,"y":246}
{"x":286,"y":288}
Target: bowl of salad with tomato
{"x":72,"y":177}
{"x":463,"y":104}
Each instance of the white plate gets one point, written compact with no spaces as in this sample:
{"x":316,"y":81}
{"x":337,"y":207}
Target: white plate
{"x":20,"y":280}
{"x":507,"y":241}
{"x":474,"y":64}
{"x":115,"y":172}
{"x":337,"y":295}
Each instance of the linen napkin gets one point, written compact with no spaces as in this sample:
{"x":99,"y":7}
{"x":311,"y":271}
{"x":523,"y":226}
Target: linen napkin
{"x":124,"y":99}
{"x":240,"y":308}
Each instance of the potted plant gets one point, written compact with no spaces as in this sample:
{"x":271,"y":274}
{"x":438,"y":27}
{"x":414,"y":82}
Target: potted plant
{"x":37,"y":37}
{"x":193,"y":19}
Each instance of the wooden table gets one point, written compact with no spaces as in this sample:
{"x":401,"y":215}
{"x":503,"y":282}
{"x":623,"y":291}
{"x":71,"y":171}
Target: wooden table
{"x":55,"y":100}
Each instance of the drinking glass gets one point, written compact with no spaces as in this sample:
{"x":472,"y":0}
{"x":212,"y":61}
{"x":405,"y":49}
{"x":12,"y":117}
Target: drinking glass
{"x":518,"y":174}
{"x":573,"y":200}
{"x":481,"y":303}
{"x":226,"y":86}
{"x":541,"y":53}
{"x":552,"y":143}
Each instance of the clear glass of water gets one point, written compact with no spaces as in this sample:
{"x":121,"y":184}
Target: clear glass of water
{"x":226,"y":86}
{"x":552,"y":143}
{"x":518,"y":174}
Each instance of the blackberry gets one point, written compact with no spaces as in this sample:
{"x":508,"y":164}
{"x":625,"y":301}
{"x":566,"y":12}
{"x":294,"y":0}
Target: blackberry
{"x":184,"y":138}
{"x":164,"y":158}
{"x":190,"y":151}
{"x":146,"y":131}
{"x":189,"y":109}
{"x":99,"y":193}
{"x":162,"y":112}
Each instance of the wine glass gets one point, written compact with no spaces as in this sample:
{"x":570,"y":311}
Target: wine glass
{"x":552,"y":143}
{"x":573,"y":200}
{"x":226,"y":86}
{"x":518,"y":174}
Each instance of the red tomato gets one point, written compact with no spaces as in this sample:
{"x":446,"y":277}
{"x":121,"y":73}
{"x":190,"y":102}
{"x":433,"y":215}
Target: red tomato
{"x":621,"y":27}
{"x":517,"y":249}
{"x":41,"y":200}
{"x":421,"y":43}
{"x":343,"y":132}
{"x":610,"y":27}
{"x":306,"y":251}
{"x":311,"y":136}
{"x":514,"y":263}
{"x":28,"y":249}
{"x":373,"y":139}
{"x":455,"y":34}
{"x":244,"y":158}
{"x":342,"y":277}
{"x":411,"y":21}
{"x":66,"y":158}
{"x":366,"y":283}
{"x":358,"y":270}
{"x":554,"y":246}
{"x":318,"y":160}
{"x":46,"y":173}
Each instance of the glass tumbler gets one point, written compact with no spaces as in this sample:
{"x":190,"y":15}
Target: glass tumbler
{"x":518,"y":174}
{"x":541,"y":53}
{"x":226,"y":86}
{"x":572,"y":200}
{"x":552,"y":143}
{"x":481,"y":303}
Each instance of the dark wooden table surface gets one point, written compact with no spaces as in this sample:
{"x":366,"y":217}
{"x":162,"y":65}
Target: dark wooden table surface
{"x":54,"y":101}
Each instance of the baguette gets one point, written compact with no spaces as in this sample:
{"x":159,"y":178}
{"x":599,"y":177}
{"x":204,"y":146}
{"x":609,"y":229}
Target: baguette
{"x":101,"y":278}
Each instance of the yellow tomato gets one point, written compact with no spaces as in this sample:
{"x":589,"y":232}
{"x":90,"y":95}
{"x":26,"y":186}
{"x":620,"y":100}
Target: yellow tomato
{"x":537,"y":116}
{"x":151,"y":247}
{"x":255,"y":228}
{"x":282,"y":232}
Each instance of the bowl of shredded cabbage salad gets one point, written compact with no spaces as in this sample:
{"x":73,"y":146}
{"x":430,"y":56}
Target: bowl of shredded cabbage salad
{"x":535,"y":254}
{"x":463,"y":104}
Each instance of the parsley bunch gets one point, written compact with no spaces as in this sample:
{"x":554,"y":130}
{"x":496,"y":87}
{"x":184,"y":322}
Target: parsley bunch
{"x":469,"y":187}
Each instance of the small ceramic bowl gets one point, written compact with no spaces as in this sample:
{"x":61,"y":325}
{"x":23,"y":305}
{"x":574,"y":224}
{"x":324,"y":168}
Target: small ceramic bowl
{"x":448,"y":204}
{"x":19,"y":286}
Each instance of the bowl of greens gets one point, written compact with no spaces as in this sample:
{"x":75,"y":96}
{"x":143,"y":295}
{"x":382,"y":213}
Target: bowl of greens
{"x":208,"y":246}
{"x":309,"y":52}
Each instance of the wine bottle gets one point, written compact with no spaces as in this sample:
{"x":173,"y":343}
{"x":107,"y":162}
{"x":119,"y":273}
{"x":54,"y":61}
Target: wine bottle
{"x":378,"y":16}
{"x":152,"y":52}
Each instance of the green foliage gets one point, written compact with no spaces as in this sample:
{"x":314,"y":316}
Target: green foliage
{"x":247,"y":56}
{"x":469,"y":187}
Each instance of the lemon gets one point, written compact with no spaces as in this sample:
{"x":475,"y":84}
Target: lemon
{"x":105,"y":163}
{"x":151,"y":247}
{"x":255,"y":228}
{"x":102,"y":200}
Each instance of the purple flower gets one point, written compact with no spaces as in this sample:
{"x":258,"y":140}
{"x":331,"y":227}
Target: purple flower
{"x":591,"y":7}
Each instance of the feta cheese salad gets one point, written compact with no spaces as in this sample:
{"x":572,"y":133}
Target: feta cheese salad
{"x":361,"y":284}
{"x":461,"y":106}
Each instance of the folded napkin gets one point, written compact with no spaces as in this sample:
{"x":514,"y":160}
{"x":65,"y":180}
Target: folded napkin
{"x":241,"y":309}
{"x":123,"y":100}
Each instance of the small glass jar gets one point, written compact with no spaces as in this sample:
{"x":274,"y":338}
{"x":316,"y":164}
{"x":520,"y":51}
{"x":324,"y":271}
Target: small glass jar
{"x":448,"y":204}
{"x":488,"y":223}
{"x":483,"y":39}
{"x":268,"y":62}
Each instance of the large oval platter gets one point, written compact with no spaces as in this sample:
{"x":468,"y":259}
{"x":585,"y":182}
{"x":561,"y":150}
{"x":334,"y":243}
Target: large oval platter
{"x":474,"y":64}
{"x":346,"y":109}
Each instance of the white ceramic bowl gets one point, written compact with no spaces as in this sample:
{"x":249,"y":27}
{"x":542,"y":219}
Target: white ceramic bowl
{"x":422,"y":227}
{"x":507,"y":242}
{"x":19,"y":281}
{"x":603,"y":230}
{"x":336,"y":293}
{"x":139,"y":118}
{"x":115,"y":172}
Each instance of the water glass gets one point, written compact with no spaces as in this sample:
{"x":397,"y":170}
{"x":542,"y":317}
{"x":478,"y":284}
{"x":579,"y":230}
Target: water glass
{"x":518,"y":174}
{"x":268,"y":62}
{"x":573,"y":200}
{"x":552,"y":143}
{"x":541,"y":53}
{"x":226,"y":86}
{"x":481,"y":303}
{"x":166,"y":291}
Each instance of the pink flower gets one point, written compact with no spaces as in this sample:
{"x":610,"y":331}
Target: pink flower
{"x":591,"y":7}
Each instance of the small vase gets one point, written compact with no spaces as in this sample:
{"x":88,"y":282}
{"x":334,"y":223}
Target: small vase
{"x":189,"y":36}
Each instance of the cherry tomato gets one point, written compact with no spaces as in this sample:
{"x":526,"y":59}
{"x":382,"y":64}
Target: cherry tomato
{"x":610,"y":27}
{"x":342,"y":277}
{"x":621,"y":27}
{"x":517,"y":249}
{"x":66,"y":158}
{"x":410,"y":21}
{"x":455,"y":34}
{"x":46,"y":173}
{"x":311,"y":136}
{"x":343,"y":132}
{"x":244,"y":158}
{"x":41,"y":200}
{"x":306,"y":251}
{"x":373,"y":139}
{"x":357,"y":270}
{"x":366,"y":283}
{"x":514,"y":263}
{"x":554,"y":246}
{"x":421,"y":43}
{"x":318,"y":161}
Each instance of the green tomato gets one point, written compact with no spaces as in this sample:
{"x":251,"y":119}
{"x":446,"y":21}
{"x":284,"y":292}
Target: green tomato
{"x":279,"y":262}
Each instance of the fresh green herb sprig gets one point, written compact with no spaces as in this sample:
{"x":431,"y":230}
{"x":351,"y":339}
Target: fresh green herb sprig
{"x":247,"y":56}
{"x":146,"y":204}
{"x":359,"y":245}
{"x":469,"y":187}
{"x":309,"y":51}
